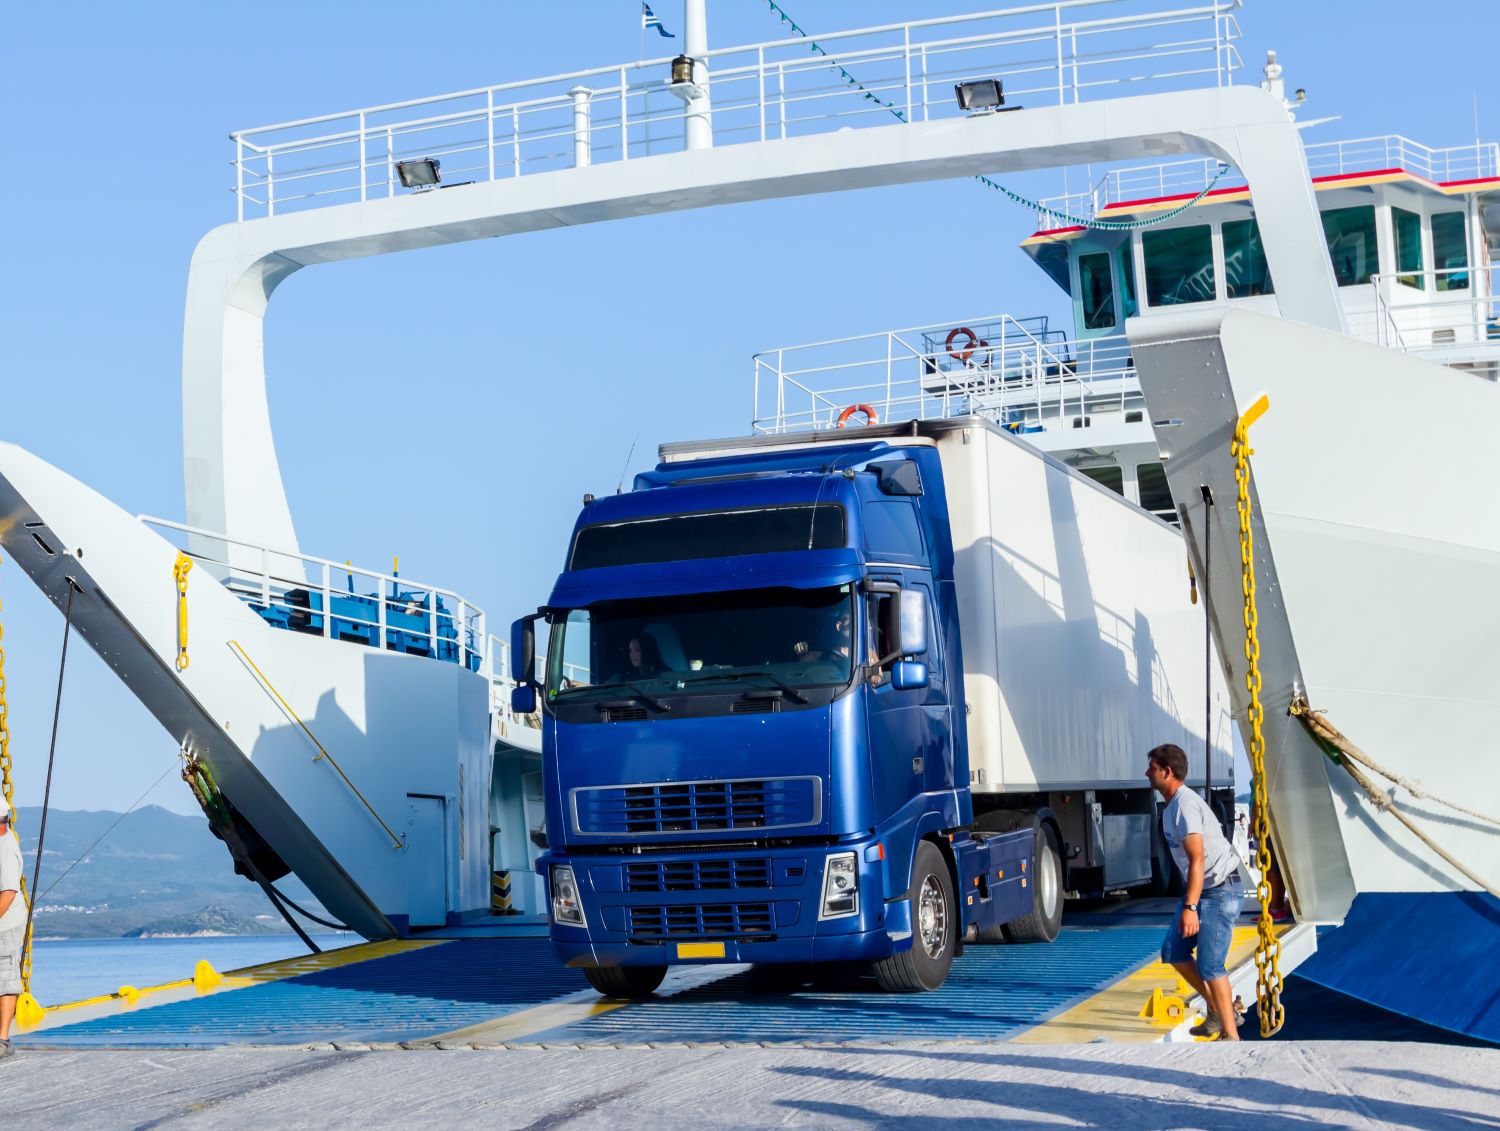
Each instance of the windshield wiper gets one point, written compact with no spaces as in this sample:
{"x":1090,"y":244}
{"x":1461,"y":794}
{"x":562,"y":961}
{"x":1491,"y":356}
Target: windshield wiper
{"x":787,"y":689}
{"x":633,"y":691}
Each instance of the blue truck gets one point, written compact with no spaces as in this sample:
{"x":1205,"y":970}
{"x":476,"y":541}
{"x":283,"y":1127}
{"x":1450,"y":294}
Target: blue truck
{"x":855,"y":697}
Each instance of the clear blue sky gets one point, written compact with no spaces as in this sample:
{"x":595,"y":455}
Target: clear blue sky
{"x":452,"y":405}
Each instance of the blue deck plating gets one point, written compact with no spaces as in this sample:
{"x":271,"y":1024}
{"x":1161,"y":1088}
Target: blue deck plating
{"x":410,"y":996}
{"x":992,"y":993}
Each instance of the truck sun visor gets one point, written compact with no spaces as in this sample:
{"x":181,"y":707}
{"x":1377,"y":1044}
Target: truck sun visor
{"x":710,"y":534}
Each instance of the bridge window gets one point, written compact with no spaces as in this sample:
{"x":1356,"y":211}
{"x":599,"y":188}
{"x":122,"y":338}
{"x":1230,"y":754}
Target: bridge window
{"x":1350,"y":233}
{"x":1111,"y":477}
{"x":1179,"y":266}
{"x":1097,"y":291}
{"x":1450,"y":251}
{"x":1245,"y":269}
{"x":1408,"y":227}
{"x":1152,"y":492}
{"x":1127,"y":280}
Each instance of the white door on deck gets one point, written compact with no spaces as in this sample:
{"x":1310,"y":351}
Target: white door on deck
{"x":426,"y":861}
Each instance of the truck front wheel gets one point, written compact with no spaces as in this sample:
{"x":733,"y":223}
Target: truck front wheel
{"x":625,"y":981}
{"x":1044,"y":920}
{"x":934,"y":925}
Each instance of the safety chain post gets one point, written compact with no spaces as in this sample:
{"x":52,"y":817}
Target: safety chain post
{"x":1268,"y":980}
{"x":180,"y":570}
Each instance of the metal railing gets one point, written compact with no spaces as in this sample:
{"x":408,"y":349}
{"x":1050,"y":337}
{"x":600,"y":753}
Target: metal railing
{"x":1013,"y":371}
{"x":1368,"y":154}
{"x":341,"y":601}
{"x":1181,"y":179}
{"x":1454,"y":312}
{"x":1046,"y":54}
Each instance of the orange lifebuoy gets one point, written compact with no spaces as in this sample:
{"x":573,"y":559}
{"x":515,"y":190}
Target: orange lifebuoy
{"x":869,"y":412}
{"x":964,"y":354}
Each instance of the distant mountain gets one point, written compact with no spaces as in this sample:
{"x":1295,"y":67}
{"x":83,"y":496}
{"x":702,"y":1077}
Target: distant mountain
{"x":155,"y":872}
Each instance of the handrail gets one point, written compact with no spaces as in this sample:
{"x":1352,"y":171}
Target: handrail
{"x":466,"y":620}
{"x":760,"y":91}
{"x":1015,"y":371}
{"x":322,"y":751}
{"x":1324,"y":159}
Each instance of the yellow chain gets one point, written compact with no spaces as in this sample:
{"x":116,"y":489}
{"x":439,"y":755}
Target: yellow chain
{"x":10,"y":804}
{"x":1268,"y":980}
{"x":179,"y":572}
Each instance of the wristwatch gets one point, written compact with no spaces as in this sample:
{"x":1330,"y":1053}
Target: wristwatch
{"x":1193,"y":907}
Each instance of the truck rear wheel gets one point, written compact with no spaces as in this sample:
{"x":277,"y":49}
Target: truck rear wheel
{"x":625,"y":981}
{"x":934,"y":923}
{"x":1044,"y":920}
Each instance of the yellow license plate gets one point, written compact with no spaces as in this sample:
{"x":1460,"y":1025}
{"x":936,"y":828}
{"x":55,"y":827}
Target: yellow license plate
{"x":700,"y":950}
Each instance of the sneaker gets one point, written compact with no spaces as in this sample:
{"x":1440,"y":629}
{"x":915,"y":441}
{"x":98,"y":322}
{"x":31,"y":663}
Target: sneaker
{"x":1281,"y":914}
{"x":6,"y":1049}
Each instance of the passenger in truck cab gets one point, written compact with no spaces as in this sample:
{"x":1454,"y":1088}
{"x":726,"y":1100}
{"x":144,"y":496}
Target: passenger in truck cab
{"x":642,"y":659}
{"x":835,"y":646}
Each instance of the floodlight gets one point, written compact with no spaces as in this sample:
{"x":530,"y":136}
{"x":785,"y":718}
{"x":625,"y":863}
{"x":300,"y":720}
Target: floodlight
{"x":980,"y":94}
{"x":420,"y":172}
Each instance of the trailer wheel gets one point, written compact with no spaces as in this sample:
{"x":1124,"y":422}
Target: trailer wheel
{"x":934,"y":923}
{"x":1044,"y":920}
{"x":625,"y":981}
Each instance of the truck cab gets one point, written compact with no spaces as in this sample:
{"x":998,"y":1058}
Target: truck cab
{"x":753,"y":712}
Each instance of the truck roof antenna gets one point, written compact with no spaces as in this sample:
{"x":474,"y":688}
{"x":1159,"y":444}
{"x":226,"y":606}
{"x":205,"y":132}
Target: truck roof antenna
{"x":626,"y":468}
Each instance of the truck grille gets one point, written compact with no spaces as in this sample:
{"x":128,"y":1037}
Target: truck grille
{"x":730,"y":919}
{"x":696,"y":875}
{"x":704,"y":806}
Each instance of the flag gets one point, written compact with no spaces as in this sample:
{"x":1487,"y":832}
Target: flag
{"x":649,"y":20}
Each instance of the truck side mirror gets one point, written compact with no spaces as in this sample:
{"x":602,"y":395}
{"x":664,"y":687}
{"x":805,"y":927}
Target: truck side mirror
{"x":523,"y":650}
{"x":908,"y":675}
{"x":913,"y":625}
{"x":523,"y":699}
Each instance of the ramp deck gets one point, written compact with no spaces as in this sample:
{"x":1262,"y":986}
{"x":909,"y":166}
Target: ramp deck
{"x":1087,"y":986}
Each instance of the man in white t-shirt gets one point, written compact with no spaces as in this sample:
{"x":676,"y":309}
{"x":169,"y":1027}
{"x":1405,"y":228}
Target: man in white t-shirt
{"x":12,"y":926}
{"x":1197,"y":942}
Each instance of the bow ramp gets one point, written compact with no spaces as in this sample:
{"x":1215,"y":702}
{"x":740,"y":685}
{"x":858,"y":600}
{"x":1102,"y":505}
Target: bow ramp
{"x":343,"y":720}
{"x":1369,"y":550}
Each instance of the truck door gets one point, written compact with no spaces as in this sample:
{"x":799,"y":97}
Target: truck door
{"x":907,"y":729}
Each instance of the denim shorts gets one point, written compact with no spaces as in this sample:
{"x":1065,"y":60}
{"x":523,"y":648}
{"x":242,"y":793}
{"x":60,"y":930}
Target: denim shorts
{"x":1218,"y":910}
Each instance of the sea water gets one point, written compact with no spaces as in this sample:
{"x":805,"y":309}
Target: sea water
{"x":64,"y":970}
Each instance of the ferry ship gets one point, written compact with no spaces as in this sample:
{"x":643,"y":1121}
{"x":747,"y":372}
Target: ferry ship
{"x":353,"y":727}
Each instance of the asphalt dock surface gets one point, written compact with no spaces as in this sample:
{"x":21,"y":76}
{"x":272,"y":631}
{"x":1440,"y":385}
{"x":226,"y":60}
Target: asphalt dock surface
{"x":944,"y":1087}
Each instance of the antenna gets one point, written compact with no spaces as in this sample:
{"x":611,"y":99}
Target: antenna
{"x":623,"y":470}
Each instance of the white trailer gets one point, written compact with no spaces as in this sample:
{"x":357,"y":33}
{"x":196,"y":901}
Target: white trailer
{"x":1083,"y":649}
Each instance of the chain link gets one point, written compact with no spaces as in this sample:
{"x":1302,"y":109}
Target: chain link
{"x":180,"y":570}
{"x":1268,"y":980}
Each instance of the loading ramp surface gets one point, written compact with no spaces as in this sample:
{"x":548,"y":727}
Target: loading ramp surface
{"x":514,"y":991}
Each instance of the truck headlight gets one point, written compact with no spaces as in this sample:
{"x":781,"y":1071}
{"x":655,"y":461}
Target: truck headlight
{"x":566,"y":906}
{"x":840,"y":886}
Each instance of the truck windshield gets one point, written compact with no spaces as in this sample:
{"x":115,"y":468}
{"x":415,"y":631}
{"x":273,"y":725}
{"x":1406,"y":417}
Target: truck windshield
{"x":778,"y":639}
